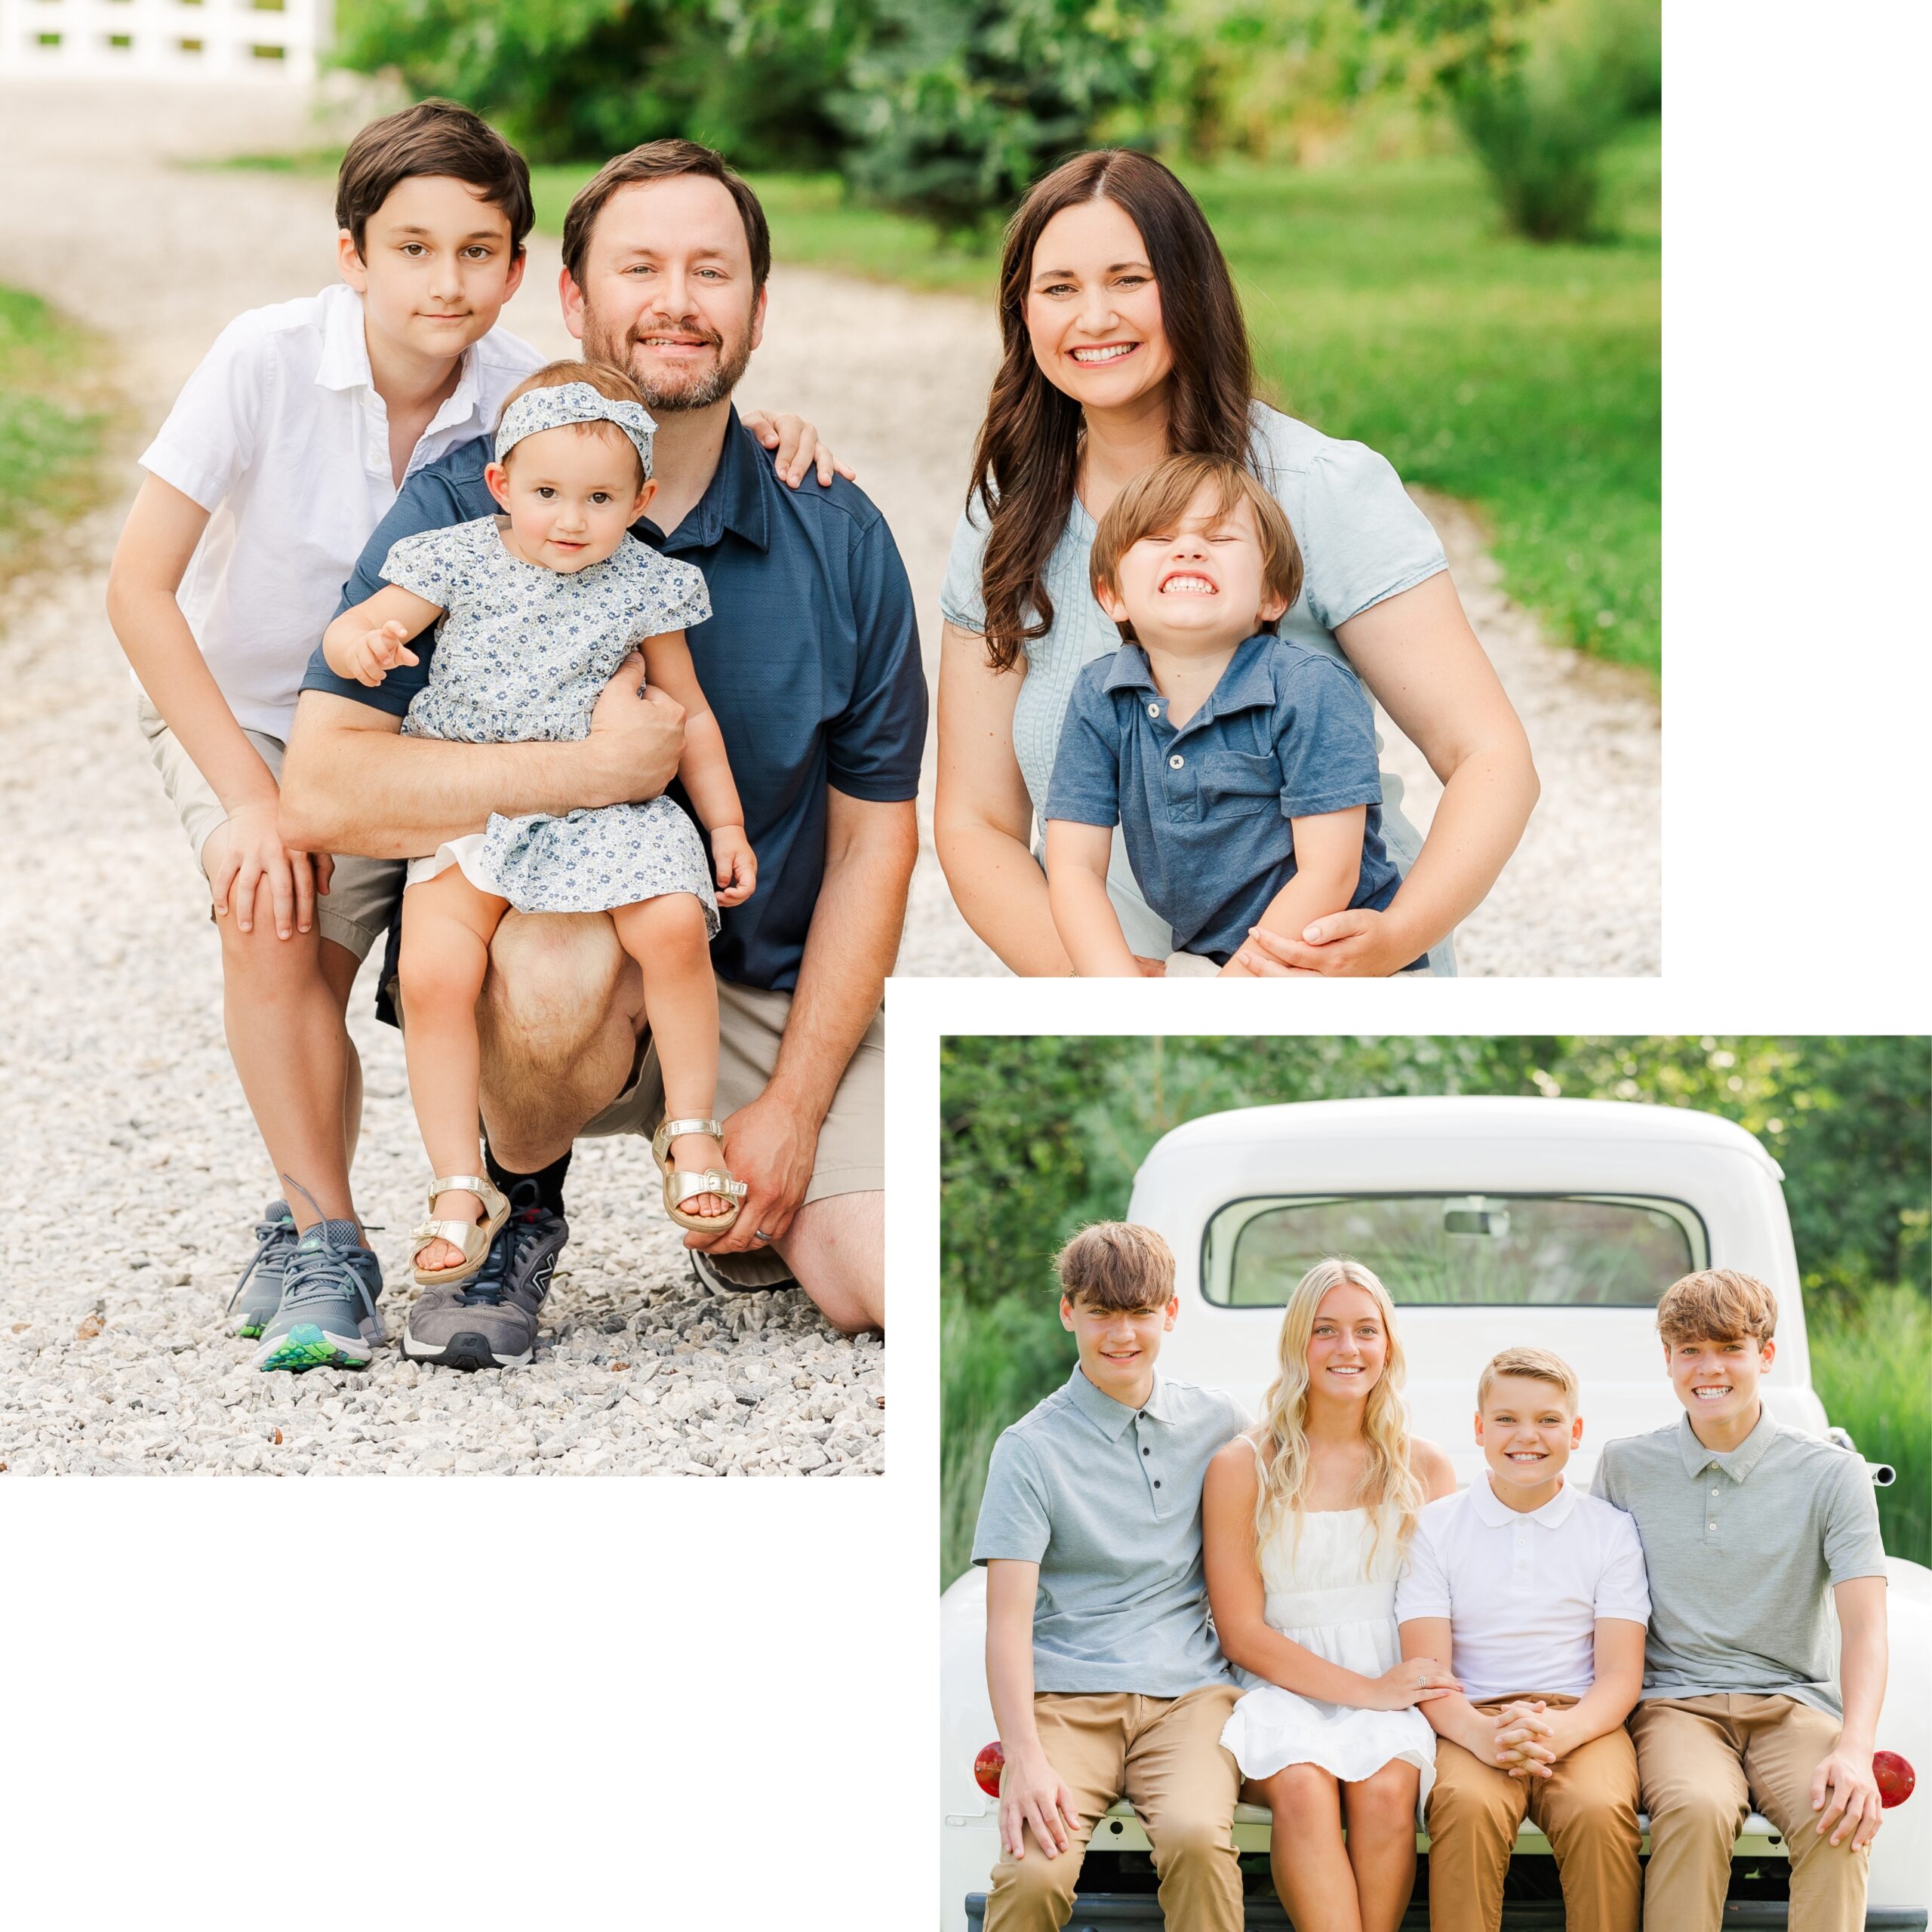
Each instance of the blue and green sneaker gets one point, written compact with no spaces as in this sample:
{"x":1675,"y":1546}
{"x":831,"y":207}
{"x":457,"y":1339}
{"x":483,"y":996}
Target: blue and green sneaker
{"x":327,"y":1317}
{"x":258,"y":1294}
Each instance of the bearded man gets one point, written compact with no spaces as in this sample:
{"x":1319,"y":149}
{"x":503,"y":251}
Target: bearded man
{"x":810,"y":661}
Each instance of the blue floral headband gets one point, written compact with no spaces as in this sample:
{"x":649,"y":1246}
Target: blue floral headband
{"x":572,"y":402}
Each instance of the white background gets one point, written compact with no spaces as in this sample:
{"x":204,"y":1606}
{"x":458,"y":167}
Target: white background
{"x":656,"y":1702}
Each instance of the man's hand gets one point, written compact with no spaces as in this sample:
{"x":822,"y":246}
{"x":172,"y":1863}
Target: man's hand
{"x":1529,"y":1738}
{"x":770,"y":1147}
{"x":376,"y":653}
{"x":1359,"y":943}
{"x":637,"y":737}
{"x":798,"y":447}
{"x":1843,"y":1790}
{"x":245,"y":849}
{"x":736,"y":863}
{"x":1031,"y":1793}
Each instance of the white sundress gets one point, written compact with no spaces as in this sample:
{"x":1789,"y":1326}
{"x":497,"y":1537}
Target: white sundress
{"x":522,"y":653}
{"x":1322,"y":1592}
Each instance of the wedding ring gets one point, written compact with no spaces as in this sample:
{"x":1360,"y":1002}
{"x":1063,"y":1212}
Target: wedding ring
{"x":758,"y":1234}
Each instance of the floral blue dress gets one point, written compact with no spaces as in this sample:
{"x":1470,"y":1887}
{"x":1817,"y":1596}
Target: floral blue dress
{"x":523,"y":653}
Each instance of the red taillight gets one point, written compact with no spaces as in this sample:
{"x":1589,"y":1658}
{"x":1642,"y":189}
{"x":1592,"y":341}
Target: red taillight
{"x":1895,"y":1777}
{"x":992,"y":1761}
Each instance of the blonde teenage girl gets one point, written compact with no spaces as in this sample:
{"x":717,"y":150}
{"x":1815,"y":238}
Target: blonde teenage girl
{"x":1305,"y":1521}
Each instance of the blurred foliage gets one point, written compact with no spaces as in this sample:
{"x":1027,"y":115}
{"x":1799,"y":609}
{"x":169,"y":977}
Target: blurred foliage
{"x":1040,"y":1135}
{"x":956,"y":107}
{"x":572,"y":80}
{"x":949,"y":109}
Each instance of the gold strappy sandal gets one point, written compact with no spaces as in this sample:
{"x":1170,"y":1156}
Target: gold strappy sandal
{"x":680,"y":1183}
{"x":473,"y":1237}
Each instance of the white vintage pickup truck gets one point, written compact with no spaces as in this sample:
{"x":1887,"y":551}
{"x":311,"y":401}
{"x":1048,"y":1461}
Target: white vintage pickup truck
{"x":1490,"y":1221}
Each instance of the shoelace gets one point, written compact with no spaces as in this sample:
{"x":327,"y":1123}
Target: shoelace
{"x":271,"y":1238}
{"x":487,"y":1288}
{"x":318,"y":1273}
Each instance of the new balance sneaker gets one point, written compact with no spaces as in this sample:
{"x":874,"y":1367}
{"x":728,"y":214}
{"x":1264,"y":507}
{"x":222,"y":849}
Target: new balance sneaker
{"x":490,"y":1321}
{"x":327,"y":1316}
{"x":258,"y":1294}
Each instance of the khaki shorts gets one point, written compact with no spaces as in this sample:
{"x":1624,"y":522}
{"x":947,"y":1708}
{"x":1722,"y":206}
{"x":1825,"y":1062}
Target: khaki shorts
{"x":851,"y":1157}
{"x":362,"y":893}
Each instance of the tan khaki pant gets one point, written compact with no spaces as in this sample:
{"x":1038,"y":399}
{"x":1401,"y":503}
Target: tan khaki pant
{"x":1163,"y":1755}
{"x":1703,"y":1762}
{"x":1587,"y":1808}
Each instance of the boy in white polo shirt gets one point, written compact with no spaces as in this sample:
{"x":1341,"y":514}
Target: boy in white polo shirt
{"x":1539,"y":1592}
{"x":280,"y":456}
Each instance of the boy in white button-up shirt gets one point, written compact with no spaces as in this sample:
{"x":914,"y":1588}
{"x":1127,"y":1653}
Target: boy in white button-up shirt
{"x":1539,"y":1592}
{"x":282,"y":454}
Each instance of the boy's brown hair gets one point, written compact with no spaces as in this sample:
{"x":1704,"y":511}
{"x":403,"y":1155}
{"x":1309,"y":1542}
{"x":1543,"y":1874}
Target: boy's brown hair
{"x":1120,"y":1267}
{"x":1535,"y":1365}
{"x":1154,"y":503}
{"x":663,"y":161}
{"x":1717,"y":1304}
{"x":614,"y":385}
{"x":433,"y":137}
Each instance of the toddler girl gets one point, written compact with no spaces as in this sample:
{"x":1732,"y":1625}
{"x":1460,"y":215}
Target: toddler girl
{"x":535,"y":611}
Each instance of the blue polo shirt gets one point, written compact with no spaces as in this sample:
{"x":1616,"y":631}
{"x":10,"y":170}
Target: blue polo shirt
{"x":1204,"y":811}
{"x":809,"y":660}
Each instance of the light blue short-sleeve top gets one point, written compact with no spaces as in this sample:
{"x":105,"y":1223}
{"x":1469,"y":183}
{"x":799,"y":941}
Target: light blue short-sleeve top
{"x":1362,"y":540}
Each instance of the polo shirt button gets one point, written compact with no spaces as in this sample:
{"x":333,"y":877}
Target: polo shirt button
{"x":1177,"y":761}
{"x":1153,"y":711}
{"x":1157,"y":1482}
{"x":1146,"y":1452}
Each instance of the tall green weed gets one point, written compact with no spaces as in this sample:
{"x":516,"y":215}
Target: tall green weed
{"x":1871,"y":1366}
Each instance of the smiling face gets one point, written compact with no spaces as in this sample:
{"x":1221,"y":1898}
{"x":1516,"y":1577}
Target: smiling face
{"x":1717,"y":1381}
{"x":435,"y":267}
{"x":1527,"y":1433}
{"x":571,"y":494}
{"x":1117,"y":1347}
{"x":667,"y":291}
{"x":1092,"y":308}
{"x":1348,"y":1347}
{"x":1201,"y":582}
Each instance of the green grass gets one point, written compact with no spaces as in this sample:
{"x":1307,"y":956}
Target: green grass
{"x":49,"y":439}
{"x":1387,"y":305}
{"x":1873,"y":1373}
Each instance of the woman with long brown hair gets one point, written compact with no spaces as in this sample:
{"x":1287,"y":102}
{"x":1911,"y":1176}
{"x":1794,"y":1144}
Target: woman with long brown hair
{"x":1305,"y":1520}
{"x":1124,"y":343}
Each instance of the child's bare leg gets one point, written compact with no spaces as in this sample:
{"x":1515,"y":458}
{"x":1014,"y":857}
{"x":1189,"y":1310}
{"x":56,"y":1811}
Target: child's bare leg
{"x":667,"y":937}
{"x":284,"y":1021}
{"x":446,"y":927}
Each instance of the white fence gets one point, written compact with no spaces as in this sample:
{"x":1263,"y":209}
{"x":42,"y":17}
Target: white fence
{"x":276,"y":40}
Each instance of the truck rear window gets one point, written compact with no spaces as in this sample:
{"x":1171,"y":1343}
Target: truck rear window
{"x":1573,"y":1251}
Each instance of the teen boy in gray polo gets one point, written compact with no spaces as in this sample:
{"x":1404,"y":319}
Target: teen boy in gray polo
{"x":1745,"y":1524}
{"x":1105,"y":1677}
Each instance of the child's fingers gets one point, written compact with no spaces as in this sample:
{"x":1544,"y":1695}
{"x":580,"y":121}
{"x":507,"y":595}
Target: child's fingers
{"x":282,"y":890}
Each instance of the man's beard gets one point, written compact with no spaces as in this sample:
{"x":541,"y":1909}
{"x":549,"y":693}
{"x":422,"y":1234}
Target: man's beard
{"x":669,"y":391}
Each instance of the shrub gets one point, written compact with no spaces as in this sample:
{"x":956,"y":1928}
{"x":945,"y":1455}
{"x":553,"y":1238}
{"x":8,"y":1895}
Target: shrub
{"x":955,"y":107}
{"x":1541,"y":103}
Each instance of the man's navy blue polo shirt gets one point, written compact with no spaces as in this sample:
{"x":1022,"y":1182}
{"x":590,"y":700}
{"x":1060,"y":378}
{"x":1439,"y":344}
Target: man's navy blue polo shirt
{"x":1286,"y":732}
{"x":809,"y":660}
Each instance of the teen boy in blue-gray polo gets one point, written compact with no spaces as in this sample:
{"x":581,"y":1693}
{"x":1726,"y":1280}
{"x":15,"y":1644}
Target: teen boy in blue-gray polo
{"x":1105,"y":1677}
{"x":1240,"y":767}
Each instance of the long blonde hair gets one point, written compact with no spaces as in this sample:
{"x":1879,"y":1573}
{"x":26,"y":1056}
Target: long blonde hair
{"x":1390,"y":1489}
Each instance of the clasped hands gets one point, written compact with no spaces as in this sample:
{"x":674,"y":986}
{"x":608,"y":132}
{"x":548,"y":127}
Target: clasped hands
{"x":1528,"y":1738}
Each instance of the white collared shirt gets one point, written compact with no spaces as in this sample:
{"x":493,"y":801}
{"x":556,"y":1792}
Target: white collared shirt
{"x":1523,"y":1593}
{"x":280,"y":435}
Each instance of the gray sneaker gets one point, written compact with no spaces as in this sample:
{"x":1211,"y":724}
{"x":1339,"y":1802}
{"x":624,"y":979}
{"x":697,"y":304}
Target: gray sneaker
{"x":490,"y":1321}
{"x":258,"y":1294}
{"x":327,"y":1318}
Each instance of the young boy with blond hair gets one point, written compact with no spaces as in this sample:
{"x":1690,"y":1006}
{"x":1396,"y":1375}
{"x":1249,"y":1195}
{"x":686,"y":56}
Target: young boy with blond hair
{"x":1748,"y":1527}
{"x":1537,"y":1594}
{"x":1105,"y":1676}
{"x":280,"y":456}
